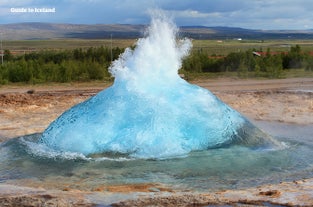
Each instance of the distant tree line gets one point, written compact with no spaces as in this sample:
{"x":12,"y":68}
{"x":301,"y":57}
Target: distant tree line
{"x":58,"y":66}
{"x":92,"y":64}
{"x":249,"y":62}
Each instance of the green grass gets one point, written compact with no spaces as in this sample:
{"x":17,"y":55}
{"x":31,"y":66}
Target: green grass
{"x":292,"y":73}
{"x":212,"y":46}
{"x":203,"y":76}
{"x":64,"y":44}
{"x":227,"y":46}
{"x":298,"y":73}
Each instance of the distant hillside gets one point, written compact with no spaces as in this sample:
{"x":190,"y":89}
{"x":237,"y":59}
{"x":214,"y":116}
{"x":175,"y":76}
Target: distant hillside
{"x":29,"y":31}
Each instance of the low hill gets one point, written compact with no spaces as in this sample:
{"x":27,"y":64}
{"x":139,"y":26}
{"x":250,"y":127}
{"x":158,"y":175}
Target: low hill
{"x":29,"y":31}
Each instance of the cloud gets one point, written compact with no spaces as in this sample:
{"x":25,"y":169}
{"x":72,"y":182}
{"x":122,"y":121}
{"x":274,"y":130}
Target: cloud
{"x":190,"y":14}
{"x":257,"y":14}
{"x":15,"y":3}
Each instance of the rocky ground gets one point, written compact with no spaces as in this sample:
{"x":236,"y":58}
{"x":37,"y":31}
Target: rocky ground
{"x":29,"y":109}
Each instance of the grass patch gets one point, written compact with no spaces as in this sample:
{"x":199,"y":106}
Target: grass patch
{"x":224,"y":47}
{"x":298,"y":73}
{"x":65,"y":44}
{"x":292,"y":73}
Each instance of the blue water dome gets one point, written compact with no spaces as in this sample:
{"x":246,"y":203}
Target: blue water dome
{"x":150,"y":111}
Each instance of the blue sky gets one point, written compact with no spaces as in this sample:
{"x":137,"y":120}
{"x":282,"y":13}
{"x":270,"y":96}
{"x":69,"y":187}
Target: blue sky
{"x":250,"y":14}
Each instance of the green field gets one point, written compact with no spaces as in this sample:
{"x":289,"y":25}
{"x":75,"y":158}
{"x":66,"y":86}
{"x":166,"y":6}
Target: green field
{"x":21,"y":46}
{"x":294,"y":73}
{"x":222,"y":47}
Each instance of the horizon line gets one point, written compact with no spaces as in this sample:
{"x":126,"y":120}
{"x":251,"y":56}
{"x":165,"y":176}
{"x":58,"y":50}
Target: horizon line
{"x":179,"y":26}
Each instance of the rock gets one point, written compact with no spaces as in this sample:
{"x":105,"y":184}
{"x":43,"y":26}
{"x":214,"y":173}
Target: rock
{"x":272,"y":193}
{"x":15,"y":196}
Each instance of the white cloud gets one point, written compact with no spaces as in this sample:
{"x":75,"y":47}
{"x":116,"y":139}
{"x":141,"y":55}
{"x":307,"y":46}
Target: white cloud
{"x":15,"y":3}
{"x":256,"y":14}
{"x":190,"y":14}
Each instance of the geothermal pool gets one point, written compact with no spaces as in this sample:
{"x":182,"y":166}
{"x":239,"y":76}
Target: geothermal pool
{"x":23,"y":161}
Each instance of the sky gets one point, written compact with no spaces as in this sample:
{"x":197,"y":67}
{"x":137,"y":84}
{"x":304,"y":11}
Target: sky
{"x":249,"y":14}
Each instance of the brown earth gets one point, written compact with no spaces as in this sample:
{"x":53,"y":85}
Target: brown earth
{"x":29,"y":109}
{"x":296,"y":193}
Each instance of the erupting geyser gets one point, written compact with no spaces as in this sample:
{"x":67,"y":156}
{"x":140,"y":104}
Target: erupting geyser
{"x":149,"y":111}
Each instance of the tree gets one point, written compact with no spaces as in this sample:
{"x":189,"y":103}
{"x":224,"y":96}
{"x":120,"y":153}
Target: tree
{"x":19,"y":72}
{"x":308,"y":63}
{"x":294,"y":59}
{"x":233,"y":60}
{"x":273,"y":66}
{"x":192,"y":63}
{"x":7,"y":55}
{"x":257,"y":70}
{"x":242,"y":70}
